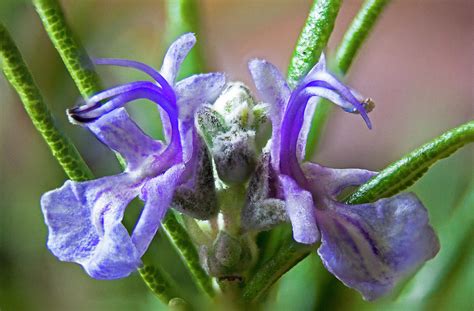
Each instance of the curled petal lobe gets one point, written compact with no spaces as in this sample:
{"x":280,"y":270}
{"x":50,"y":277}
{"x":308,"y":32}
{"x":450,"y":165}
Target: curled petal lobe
{"x":300,"y":208}
{"x":175,"y":56}
{"x":157,"y":194}
{"x":84,"y":221}
{"x":369,"y":247}
{"x":120,"y":133}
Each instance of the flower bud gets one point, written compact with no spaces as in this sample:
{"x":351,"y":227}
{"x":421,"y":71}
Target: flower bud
{"x":228,"y":127}
{"x":229,"y":256}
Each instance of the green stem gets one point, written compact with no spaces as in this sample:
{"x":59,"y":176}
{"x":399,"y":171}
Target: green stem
{"x":158,"y":281}
{"x":313,"y":38}
{"x":403,"y":173}
{"x":182,"y":17}
{"x":68,"y":46}
{"x":183,"y":243}
{"x":18,"y":75}
{"x":351,"y":43}
{"x":287,"y":257}
{"x":393,"y":179}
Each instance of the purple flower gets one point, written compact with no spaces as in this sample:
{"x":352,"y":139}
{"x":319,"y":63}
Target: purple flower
{"x":368,"y":247}
{"x":84,"y":218}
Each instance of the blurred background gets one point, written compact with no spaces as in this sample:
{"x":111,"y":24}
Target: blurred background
{"x":417,"y":65}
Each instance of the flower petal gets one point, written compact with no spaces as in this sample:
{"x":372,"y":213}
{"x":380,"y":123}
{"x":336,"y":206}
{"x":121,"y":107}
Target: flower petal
{"x":303,"y":135}
{"x":120,"y":133}
{"x":84,"y":221}
{"x":192,"y":93}
{"x":157,"y":194}
{"x":319,"y":67}
{"x":332,"y":181}
{"x":274,"y":90}
{"x":175,"y":56}
{"x":301,"y":211}
{"x":196,"y":90}
{"x":370,"y":247}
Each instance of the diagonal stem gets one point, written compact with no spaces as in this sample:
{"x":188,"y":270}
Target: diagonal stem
{"x":313,"y":38}
{"x":18,"y":75}
{"x":68,"y":46}
{"x":403,"y":173}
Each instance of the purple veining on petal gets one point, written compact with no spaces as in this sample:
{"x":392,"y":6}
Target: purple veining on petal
{"x":392,"y":236}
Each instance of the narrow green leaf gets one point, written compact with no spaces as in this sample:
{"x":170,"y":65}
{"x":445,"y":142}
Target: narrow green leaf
{"x":18,"y":75}
{"x":183,"y":243}
{"x":351,"y":43}
{"x":68,"y":46}
{"x":313,"y":38}
{"x":287,"y":257}
{"x":358,"y":32}
{"x":403,"y":173}
{"x":158,"y":281}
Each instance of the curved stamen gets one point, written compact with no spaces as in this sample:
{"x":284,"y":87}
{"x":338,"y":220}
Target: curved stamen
{"x":332,"y":83}
{"x":95,"y":101}
{"x":96,"y":110}
{"x":291,"y":126}
{"x":294,"y":118}
{"x":139,"y":66}
{"x":152,"y":93}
